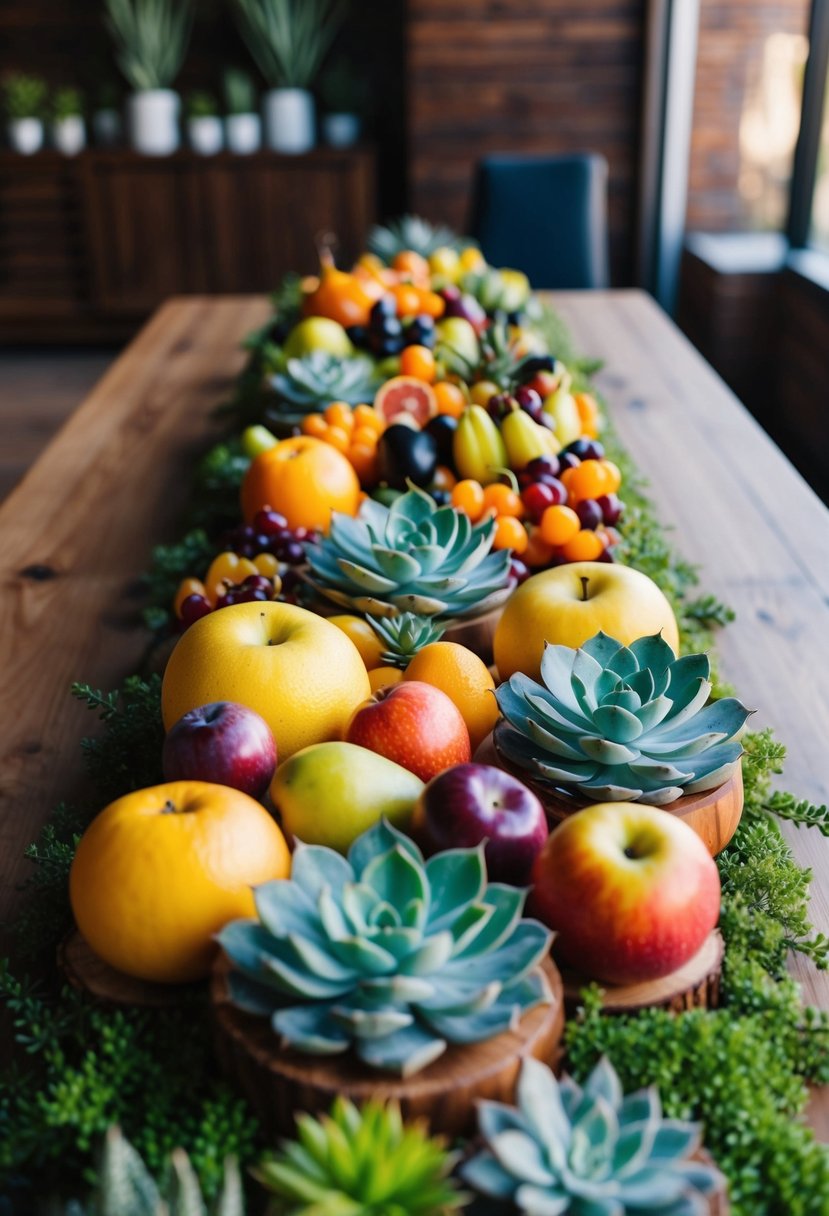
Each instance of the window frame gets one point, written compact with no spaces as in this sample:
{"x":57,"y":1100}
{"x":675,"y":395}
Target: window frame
{"x":807,"y":149}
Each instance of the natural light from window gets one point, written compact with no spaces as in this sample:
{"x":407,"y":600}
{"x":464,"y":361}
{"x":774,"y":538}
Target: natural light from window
{"x":768,"y":129}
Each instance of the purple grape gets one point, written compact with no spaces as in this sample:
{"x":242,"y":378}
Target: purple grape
{"x":590,"y":513}
{"x":252,"y":596}
{"x":259,"y":582}
{"x":542,"y":465}
{"x":499,"y":406}
{"x":193,"y":608}
{"x":567,"y":460}
{"x":611,"y":507}
{"x":519,"y":570}
{"x":586,"y":449}
{"x":558,"y":488}
{"x":290,"y":551}
{"x":269,"y":523}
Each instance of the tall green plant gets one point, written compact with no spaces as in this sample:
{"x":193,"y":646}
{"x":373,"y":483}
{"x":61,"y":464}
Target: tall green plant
{"x":151,"y":39}
{"x":289,"y":39}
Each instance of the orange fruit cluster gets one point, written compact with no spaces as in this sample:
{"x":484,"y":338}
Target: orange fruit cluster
{"x":354,"y":432}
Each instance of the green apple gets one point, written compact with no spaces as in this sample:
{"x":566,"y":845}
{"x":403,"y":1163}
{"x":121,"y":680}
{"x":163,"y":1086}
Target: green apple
{"x":331,"y":793}
{"x":318,"y":333}
{"x":561,"y":407}
{"x":456,"y":336}
{"x":569,"y":604}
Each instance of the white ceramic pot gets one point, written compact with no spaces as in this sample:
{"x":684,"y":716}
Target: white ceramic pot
{"x":107,"y":127}
{"x":243,"y":133}
{"x":69,"y":134}
{"x":153,"y":121}
{"x":289,"y":120}
{"x":205,"y":134}
{"x":341,"y":130}
{"x":25,"y":135}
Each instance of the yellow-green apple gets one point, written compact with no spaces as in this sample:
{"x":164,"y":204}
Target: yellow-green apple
{"x":569,"y":604}
{"x":469,"y":803}
{"x":223,"y":742}
{"x":303,"y":675}
{"x":414,"y":724}
{"x":330,"y":793}
{"x":631,"y":891}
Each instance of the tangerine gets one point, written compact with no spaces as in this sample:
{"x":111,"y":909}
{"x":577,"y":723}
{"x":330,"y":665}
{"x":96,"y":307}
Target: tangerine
{"x":305,"y":480}
{"x":418,"y":361}
{"x":465,"y":679}
{"x":362,"y":635}
{"x":450,"y":398}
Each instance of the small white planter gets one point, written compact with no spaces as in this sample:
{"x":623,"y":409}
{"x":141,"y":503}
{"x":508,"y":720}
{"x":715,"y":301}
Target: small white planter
{"x":107,"y":127}
{"x":153,"y":121}
{"x":25,"y":135}
{"x":69,"y":134}
{"x":205,"y":134}
{"x":243,"y":133}
{"x":341,"y":130}
{"x":289,"y":120}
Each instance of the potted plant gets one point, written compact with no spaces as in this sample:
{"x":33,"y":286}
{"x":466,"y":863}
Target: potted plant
{"x":107,"y":125}
{"x":243,"y":126}
{"x":24,"y":101}
{"x":68,"y":127}
{"x":204,"y":126}
{"x":343,"y":99}
{"x":151,"y":38}
{"x":289,"y":39}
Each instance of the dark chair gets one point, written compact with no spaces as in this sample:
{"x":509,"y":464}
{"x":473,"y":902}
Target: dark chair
{"x":544,"y":215}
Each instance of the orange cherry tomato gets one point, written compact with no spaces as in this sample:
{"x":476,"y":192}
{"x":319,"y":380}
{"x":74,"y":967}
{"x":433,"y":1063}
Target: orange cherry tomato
{"x":418,"y":361}
{"x":585,"y":546}
{"x":450,"y":398}
{"x":588,"y":409}
{"x":503,"y":500}
{"x":338,"y":437}
{"x":364,"y":436}
{"x":364,"y":459}
{"x":339,"y":414}
{"x":468,"y":496}
{"x":558,"y":525}
{"x":614,"y":474}
{"x":187,"y":586}
{"x":366,"y":415}
{"x":590,"y":479}
{"x":314,"y":424}
{"x":537,"y":553}
{"x":510,"y":533}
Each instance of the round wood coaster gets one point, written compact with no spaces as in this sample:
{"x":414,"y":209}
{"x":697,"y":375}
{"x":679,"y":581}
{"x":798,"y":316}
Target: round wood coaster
{"x":696,"y":985}
{"x":278,"y":1082}
{"x":89,"y":973}
{"x":714,"y":814}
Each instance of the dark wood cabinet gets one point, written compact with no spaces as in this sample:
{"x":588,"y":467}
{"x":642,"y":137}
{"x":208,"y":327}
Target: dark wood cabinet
{"x":89,"y":247}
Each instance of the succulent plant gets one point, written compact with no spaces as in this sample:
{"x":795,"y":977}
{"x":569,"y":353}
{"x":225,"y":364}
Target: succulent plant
{"x":385,"y":953}
{"x":617,"y":722}
{"x":410,"y":557}
{"x":500,"y":360}
{"x":319,"y":378}
{"x":361,"y":1162}
{"x":404,"y":636}
{"x":588,"y":1151}
{"x":412,"y":232}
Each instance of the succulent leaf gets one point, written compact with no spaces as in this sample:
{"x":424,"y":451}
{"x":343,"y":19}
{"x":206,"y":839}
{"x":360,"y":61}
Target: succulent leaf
{"x":386,"y":953}
{"x":319,"y":378}
{"x":584,"y":1151}
{"x":412,"y":557}
{"x":621,"y":723}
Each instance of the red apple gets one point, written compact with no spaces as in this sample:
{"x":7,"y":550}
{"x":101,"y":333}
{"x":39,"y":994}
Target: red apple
{"x":631,"y":891}
{"x":225,"y":743}
{"x":414,"y":724}
{"x":473,"y":802}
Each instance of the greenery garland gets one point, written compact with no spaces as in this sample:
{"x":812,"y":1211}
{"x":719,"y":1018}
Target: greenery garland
{"x":741,"y":1069}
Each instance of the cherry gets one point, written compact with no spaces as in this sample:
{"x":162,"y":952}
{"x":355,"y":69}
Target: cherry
{"x":530,"y":401}
{"x":537,"y":498}
{"x":611,"y":507}
{"x":519,"y":570}
{"x":567,"y":460}
{"x":589,"y":513}
{"x":259,"y":582}
{"x":586,"y":449}
{"x":193,"y":608}
{"x":269,"y":523}
{"x":544,"y":465}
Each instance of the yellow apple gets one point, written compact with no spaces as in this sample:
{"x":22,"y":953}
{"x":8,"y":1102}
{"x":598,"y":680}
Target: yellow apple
{"x":300,"y":673}
{"x":569,"y":604}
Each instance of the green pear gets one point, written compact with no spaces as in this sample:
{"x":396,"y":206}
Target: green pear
{"x":456,"y":336}
{"x":562,"y":408}
{"x":318,"y":333}
{"x":330,"y":793}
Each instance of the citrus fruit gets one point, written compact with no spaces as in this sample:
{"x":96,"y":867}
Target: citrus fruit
{"x":362,"y":635}
{"x":303,"y":478}
{"x":302,"y":674}
{"x":407,"y":396}
{"x":384,"y":677}
{"x":160,"y":871}
{"x":465,"y":679}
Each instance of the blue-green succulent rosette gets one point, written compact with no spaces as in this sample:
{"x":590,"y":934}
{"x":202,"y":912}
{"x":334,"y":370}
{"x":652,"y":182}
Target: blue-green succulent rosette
{"x":387,"y":954}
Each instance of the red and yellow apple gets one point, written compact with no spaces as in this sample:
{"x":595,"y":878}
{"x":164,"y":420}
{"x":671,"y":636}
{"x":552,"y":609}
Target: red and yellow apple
{"x":630,"y":890}
{"x":414,"y":724}
{"x":225,"y":743}
{"x":302,"y":675}
{"x":569,"y":604}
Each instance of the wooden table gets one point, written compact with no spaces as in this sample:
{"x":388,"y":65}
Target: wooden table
{"x":78,"y":530}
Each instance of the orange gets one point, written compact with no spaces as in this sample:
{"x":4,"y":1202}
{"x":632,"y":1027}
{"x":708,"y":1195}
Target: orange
{"x":304,"y":479}
{"x":362,"y":635}
{"x":160,"y":871}
{"x":384,"y":677}
{"x":465,"y":679}
{"x":451,"y":399}
{"x":408,"y":300}
{"x":418,"y":361}
{"x":405,"y":395}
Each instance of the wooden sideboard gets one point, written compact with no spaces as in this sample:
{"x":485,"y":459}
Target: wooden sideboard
{"x":90,"y":246}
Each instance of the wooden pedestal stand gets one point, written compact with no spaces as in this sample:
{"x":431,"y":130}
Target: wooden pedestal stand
{"x":86,"y":971}
{"x":279,"y":1082}
{"x":694,"y":986}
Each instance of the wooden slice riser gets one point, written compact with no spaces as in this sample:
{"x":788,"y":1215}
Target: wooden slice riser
{"x":90,"y":974}
{"x":696,"y":985}
{"x":278,"y":1083}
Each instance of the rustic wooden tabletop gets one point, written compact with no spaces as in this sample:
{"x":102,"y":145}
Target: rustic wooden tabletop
{"x":77,"y":532}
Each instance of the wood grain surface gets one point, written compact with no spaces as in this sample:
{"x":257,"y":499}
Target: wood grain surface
{"x":78,"y":530}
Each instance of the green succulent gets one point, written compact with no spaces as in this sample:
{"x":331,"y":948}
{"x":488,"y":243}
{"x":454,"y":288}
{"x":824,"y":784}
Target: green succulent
{"x":385,"y":953}
{"x":361,"y":1162}
{"x":410,"y":557}
{"x":405,"y":636}
{"x":319,"y":378}
{"x":572,"y":1151}
{"x":503,"y":291}
{"x":500,"y":357}
{"x":617,"y":722}
{"x":412,"y":232}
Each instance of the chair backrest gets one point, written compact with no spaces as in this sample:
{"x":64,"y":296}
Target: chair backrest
{"x":545,"y":215}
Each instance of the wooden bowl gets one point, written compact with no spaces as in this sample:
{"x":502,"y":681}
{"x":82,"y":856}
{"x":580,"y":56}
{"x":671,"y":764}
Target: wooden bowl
{"x":714,"y":814}
{"x":278,"y":1082}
